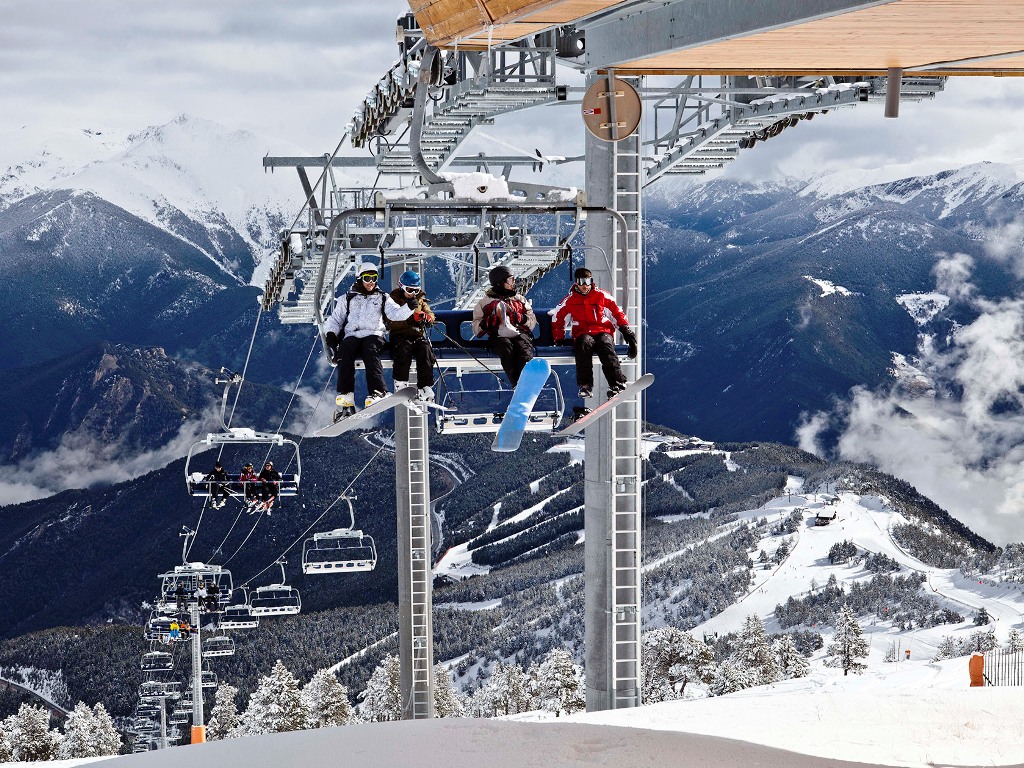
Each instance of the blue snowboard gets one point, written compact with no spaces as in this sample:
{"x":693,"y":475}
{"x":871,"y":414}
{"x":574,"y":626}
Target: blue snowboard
{"x":531,"y":382}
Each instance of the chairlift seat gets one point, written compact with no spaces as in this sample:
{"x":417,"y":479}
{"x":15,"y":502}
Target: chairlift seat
{"x":238,"y":617}
{"x":200,"y":487}
{"x":218,"y":646}
{"x":157,"y":661}
{"x":339,"y":551}
{"x":275,"y":600}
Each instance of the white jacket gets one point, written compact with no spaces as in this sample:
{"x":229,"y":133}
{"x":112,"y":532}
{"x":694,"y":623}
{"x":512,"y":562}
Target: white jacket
{"x":362,"y":314}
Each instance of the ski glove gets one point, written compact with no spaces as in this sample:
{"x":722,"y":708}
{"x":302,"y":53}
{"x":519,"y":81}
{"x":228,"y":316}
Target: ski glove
{"x":630,"y":337}
{"x":331,"y":340}
{"x":413,"y":303}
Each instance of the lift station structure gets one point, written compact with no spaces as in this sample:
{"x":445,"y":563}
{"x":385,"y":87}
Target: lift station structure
{"x":671,"y":87}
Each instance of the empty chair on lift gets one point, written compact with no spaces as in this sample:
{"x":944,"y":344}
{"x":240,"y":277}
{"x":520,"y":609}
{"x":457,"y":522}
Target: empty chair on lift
{"x":155,"y":689}
{"x":178,"y":718}
{"x":208,"y":679}
{"x":217,"y":646}
{"x":238,"y":617}
{"x":275,"y":600}
{"x":157,"y":661}
{"x":339,"y":551}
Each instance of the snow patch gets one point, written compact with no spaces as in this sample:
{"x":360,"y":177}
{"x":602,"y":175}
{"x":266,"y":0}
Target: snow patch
{"x":923,"y":307}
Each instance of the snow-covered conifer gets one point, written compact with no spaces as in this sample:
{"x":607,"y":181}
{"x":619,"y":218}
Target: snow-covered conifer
{"x":275,"y":706}
{"x":447,"y":701}
{"x":224,"y":715}
{"x":326,"y":701}
{"x":848,"y":643}
{"x":730,"y":677}
{"x":382,"y":699}
{"x":89,"y":733}
{"x":6,"y":726}
{"x":948,"y":648}
{"x":30,"y":736}
{"x":1014,"y":641}
{"x":754,"y":652}
{"x":559,"y":683}
{"x":107,"y":738}
{"x":791,"y":663}
{"x":672,"y":659}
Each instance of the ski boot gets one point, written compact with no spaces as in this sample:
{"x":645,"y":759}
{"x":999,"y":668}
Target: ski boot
{"x":578,"y":412}
{"x":345,"y":406}
{"x":426,"y":394}
{"x":586,"y":392}
{"x":374,"y":397}
{"x":614,"y":389}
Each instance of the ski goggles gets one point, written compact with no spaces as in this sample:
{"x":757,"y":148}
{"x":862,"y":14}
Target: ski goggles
{"x":410,"y":289}
{"x":369,"y":277}
{"x":584,"y":281}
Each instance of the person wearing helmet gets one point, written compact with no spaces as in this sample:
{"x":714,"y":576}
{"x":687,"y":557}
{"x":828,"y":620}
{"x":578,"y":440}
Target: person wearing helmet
{"x":506,"y":317}
{"x":250,"y":484}
{"x":217,"y":481}
{"x":586,"y":320}
{"x":409,"y":337}
{"x":271,"y":486}
{"x":356,"y":328}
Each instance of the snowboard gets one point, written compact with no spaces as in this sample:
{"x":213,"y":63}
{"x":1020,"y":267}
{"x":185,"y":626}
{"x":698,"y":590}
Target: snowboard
{"x":357,"y":419}
{"x":531,"y":382}
{"x":605,"y":408}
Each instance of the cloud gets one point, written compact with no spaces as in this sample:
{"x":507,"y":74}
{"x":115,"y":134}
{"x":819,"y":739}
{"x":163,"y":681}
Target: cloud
{"x":81,"y":461}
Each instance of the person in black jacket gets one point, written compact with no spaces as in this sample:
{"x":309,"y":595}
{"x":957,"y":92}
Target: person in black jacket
{"x":218,"y":486}
{"x":271,"y":485}
{"x":409,"y":337}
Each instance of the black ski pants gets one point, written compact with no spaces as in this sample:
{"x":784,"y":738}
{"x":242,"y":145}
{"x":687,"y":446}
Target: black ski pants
{"x":514,"y":352}
{"x":403,"y":350}
{"x":602,"y":345}
{"x":368,"y":349}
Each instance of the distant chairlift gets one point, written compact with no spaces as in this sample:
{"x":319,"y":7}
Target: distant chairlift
{"x":218,"y":646}
{"x":208,"y":679}
{"x":178,"y":718}
{"x":157,"y":661}
{"x":189,"y":576}
{"x":276,"y":599}
{"x":239,"y":616}
{"x":343,"y":550}
{"x":197,"y":479}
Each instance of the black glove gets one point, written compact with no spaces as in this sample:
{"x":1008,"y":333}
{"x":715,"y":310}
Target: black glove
{"x":413,"y":303}
{"x":630,"y":337}
{"x":566,"y":342}
{"x":331,"y":340}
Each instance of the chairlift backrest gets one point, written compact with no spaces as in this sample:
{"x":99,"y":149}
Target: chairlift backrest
{"x":275,"y":599}
{"x":342,"y":550}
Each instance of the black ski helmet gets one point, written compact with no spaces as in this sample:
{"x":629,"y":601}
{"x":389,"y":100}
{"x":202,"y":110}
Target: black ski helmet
{"x":499,"y":275}
{"x":582,"y":272}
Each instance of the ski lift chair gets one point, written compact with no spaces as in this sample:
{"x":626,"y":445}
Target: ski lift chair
{"x":238,"y":617}
{"x":342,"y":550}
{"x":456,"y":355}
{"x":200,"y":486}
{"x":275,"y":600}
{"x":157,"y":661}
{"x":208,"y":679}
{"x":189,"y":576}
{"x":160,"y":689}
{"x":178,"y":718}
{"x":218,"y":646}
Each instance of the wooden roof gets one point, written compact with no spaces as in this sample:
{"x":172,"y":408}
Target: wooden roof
{"x":938,"y":36}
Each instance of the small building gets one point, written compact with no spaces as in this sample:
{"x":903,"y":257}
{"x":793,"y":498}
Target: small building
{"x":825,"y":516}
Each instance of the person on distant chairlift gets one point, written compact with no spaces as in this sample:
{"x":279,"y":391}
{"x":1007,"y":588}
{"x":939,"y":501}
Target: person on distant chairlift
{"x":356,"y":329}
{"x":218,"y":485}
{"x":250,"y":484}
{"x":409,"y":337}
{"x":213,"y":601}
{"x":175,"y":631}
{"x":181,"y":598}
{"x":271,"y":485}
{"x":507,"y":318}
{"x":586,"y":320}
{"x":201,"y":594}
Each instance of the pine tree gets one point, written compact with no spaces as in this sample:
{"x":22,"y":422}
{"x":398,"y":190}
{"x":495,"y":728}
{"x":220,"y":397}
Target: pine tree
{"x":754,"y":652}
{"x":982,"y":618}
{"x":791,"y":662}
{"x":6,"y":726}
{"x":78,"y":729}
{"x":107,"y":737}
{"x":1014,"y":642}
{"x":382,"y":699}
{"x":559,"y":683}
{"x":275,"y":706}
{"x":30,"y":736}
{"x":730,"y":677}
{"x":512,"y":691}
{"x":671,"y":660}
{"x":326,"y":701}
{"x":447,"y":702}
{"x":224,"y":715}
{"x":848,"y":643}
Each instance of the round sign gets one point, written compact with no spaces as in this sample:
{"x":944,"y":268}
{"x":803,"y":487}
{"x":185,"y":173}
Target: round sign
{"x":611,"y":114}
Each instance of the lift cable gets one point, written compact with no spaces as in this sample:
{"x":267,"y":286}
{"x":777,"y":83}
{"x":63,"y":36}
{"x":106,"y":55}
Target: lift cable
{"x":312,"y":525}
{"x":295,"y":389}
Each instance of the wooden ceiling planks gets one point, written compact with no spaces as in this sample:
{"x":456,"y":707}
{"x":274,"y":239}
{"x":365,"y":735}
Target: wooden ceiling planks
{"x":905,"y":33}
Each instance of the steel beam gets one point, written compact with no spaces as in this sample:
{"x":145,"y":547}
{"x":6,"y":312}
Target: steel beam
{"x":676,"y":26}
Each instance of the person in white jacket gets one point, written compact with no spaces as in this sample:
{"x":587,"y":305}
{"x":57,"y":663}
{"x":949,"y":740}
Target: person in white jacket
{"x":356,"y":329}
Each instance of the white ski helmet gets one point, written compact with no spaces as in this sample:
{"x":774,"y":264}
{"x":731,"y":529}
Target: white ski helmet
{"x":367,"y":266}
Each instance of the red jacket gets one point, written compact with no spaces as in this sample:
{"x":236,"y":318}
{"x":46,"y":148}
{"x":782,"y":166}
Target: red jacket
{"x":590,"y":313}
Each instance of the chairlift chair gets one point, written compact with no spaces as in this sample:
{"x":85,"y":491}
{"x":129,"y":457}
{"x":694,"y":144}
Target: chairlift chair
{"x":196,"y":480}
{"x":238,"y":617}
{"x":342,"y":550}
{"x":276,"y":599}
{"x":160,"y":689}
{"x":218,"y":646}
{"x":157,"y":661}
{"x":189,"y":576}
{"x":208,"y":679}
{"x":178,"y":718}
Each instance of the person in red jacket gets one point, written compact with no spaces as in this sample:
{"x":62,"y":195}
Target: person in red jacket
{"x":506,"y":317}
{"x":586,"y":319}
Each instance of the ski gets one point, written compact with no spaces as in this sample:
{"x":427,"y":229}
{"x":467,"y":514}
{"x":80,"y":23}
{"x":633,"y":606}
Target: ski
{"x":357,"y":420}
{"x":604,"y":408}
{"x":531,"y":382}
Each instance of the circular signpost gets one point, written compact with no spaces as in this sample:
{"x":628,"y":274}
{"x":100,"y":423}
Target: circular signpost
{"x":611,"y":109}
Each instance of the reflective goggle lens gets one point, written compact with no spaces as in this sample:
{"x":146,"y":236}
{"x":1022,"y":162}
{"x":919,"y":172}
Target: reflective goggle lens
{"x":368,"y":278}
{"x":584,"y":281}
{"x":410,"y":288}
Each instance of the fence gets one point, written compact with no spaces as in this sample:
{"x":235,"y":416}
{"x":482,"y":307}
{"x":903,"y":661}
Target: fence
{"x":1004,"y":668}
